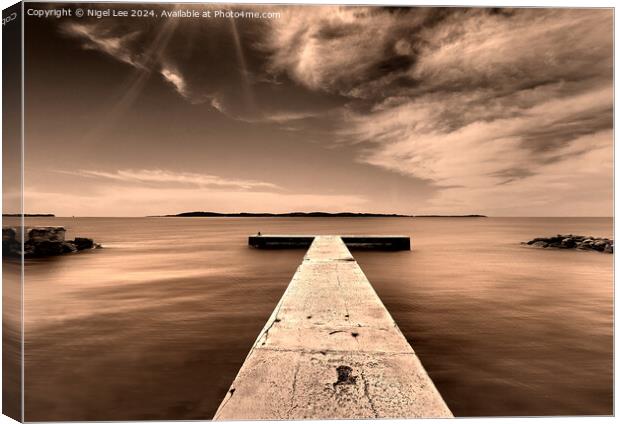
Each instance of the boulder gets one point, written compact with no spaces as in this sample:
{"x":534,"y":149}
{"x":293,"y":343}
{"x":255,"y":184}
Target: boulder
{"x":82,"y":243}
{"x":546,"y":240}
{"x":69,"y":247}
{"x":571,"y":241}
{"x":568,"y":243}
{"x":11,"y":248}
{"x":44,"y":248}
{"x":40,"y":234}
{"x":9,"y":233}
{"x":41,"y":242}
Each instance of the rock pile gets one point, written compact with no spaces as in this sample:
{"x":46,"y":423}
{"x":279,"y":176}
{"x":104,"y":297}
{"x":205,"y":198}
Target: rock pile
{"x":41,"y":242}
{"x":574,"y":242}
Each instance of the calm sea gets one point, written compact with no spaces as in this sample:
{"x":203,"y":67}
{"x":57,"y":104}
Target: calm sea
{"x":157,"y":324}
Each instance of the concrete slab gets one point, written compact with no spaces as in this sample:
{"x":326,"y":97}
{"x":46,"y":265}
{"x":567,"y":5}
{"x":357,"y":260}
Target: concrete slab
{"x":331,"y":350}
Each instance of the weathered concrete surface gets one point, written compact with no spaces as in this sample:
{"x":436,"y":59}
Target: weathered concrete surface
{"x":273,"y":241}
{"x":331,"y":350}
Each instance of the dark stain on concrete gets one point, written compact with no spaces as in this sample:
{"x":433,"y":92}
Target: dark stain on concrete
{"x":345,"y":375}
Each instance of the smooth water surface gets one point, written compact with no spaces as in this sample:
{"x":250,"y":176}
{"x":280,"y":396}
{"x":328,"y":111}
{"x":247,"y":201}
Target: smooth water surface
{"x":157,"y":323}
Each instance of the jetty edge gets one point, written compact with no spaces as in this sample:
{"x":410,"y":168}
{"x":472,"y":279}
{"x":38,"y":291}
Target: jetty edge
{"x":331,"y":350}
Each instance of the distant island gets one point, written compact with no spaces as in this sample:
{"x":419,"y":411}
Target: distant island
{"x":30,"y":215}
{"x":310,"y":215}
{"x":288,"y":215}
{"x":450,"y":216}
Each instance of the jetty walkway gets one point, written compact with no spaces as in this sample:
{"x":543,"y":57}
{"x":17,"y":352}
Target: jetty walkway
{"x":331,"y":349}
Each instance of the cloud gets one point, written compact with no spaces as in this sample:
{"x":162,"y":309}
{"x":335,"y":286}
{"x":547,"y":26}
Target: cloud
{"x":527,"y":48}
{"x":336,"y":48}
{"x":483,"y":104}
{"x":221,"y":67}
{"x":552,"y":150}
{"x":114,"y":200}
{"x":100,"y":37}
{"x":579,"y":185}
{"x":486,"y":106}
{"x":143,"y":47}
{"x":162,"y":177}
{"x":411,"y":139}
{"x":176,"y":79}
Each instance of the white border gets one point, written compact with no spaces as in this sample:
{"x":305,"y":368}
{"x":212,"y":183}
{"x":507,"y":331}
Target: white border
{"x":530,"y":3}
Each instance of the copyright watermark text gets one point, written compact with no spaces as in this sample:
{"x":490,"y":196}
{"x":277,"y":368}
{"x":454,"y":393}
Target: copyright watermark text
{"x":151,"y":13}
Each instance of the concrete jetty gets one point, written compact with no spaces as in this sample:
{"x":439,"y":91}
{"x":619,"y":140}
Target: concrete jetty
{"x":352,"y":242}
{"x":331,"y":350}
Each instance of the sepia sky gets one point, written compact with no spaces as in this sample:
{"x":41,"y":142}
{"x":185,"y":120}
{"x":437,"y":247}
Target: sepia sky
{"x":418,"y":111}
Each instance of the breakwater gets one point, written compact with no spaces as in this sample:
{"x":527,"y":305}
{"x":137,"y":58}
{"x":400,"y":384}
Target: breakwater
{"x":41,"y":242}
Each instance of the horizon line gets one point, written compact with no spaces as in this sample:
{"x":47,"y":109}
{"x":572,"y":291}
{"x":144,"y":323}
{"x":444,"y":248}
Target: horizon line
{"x":387,"y":215}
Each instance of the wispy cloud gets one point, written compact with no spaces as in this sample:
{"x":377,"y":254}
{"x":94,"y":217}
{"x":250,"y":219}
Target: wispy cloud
{"x":104,"y":39}
{"x":230,"y":75}
{"x":134,"y":47}
{"x":337,"y":48}
{"x":486,"y":105}
{"x":159,"y":176}
{"x":411,"y":139}
{"x":489,"y":106}
{"x":176,"y":79}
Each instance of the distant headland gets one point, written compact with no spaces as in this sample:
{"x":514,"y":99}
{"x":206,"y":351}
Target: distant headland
{"x":272,"y":215}
{"x":287,"y":215}
{"x":450,"y":216}
{"x":30,"y":215}
{"x":311,"y":215}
